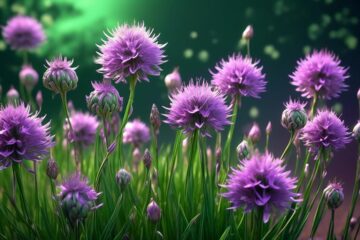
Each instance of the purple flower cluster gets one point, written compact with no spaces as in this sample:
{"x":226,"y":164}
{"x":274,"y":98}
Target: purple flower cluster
{"x":136,"y":132}
{"x":261,"y":182}
{"x":197,"y":106}
{"x":130,"y":51}
{"x":240,"y":76}
{"x":23,"y":33}
{"x":320,"y":73}
{"x":22,"y":136}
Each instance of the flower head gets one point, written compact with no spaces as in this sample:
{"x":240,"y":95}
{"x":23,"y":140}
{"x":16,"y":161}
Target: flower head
{"x":22,"y":136}
{"x":60,"y":76}
{"x":261,"y":182}
{"x":197,"y":106}
{"x":326,"y":130}
{"x":104,"y":100}
{"x":248,"y":33}
{"x":130,"y":51}
{"x":28,"y":77}
{"x":84,"y":128}
{"x":294,"y":116}
{"x":136,"y":132}
{"x":153,"y":211}
{"x":23,"y":33}
{"x":334,"y":195}
{"x":240,"y":76}
{"x":77,"y":198}
{"x":320,"y":73}
{"x":243,"y":150}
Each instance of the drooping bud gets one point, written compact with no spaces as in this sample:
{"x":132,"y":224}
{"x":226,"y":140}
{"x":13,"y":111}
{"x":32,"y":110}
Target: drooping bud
{"x":123,"y":178}
{"x":12,"y":96}
{"x":147,"y":159}
{"x":248,"y":33}
{"x":155,"y":119}
{"x":173,"y":80}
{"x":28,"y":77}
{"x":39,"y":99}
{"x":52,"y":169}
{"x":356,"y":131}
{"x":60,"y":76}
{"x":334,"y":195}
{"x":254,"y":133}
{"x":268,"y":128}
{"x":242,"y":150}
{"x":294,"y":116}
{"x":153,"y":211}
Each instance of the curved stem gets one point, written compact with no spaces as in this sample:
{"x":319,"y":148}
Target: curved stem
{"x":288,"y":146}
{"x":330,"y":235}
{"x":107,"y":143}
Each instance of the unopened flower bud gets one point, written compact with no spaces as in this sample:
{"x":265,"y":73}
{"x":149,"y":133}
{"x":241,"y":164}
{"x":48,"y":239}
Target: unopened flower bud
{"x":294,"y":116}
{"x":248,"y":33}
{"x":147,"y":159}
{"x":28,"y":77}
{"x":334,"y":195}
{"x":306,"y":170}
{"x":12,"y":96}
{"x":112,"y":147}
{"x":39,"y":99}
{"x":136,"y":155}
{"x":358,"y":94}
{"x":268,"y":128}
{"x":173,"y":80}
{"x":242,"y":150}
{"x":353,"y":223}
{"x":123,"y":178}
{"x":356,"y":131}
{"x":155,"y":119}
{"x":153,"y":211}
{"x":254,"y":133}
{"x":52,"y":169}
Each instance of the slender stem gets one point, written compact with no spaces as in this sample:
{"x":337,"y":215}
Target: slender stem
{"x":288,"y":146}
{"x":99,"y":173}
{"x":330,"y":235}
{"x":248,"y":47}
{"x":14,"y":187}
{"x":36,"y":188}
{"x":107,"y":143}
{"x":313,"y":105}
{"x":267,"y":143}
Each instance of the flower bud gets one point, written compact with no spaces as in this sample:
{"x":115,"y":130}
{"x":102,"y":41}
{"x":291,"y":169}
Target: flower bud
{"x":248,"y":33}
{"x":153,"y":211}
{"x":52,"y":169}
{"x":356,"y":131}
{"x":173,"y":80}
{"x":28,"y":77}
{"x":358,"y":94}
{"x":147,"y":159}
{"x":353,"y":223}
{"x":242,"y":150}
{"x":155,"y":119}
{"x":12,"y":96}
{"x":334,"y":195}
{"x":123,"y":178}
{"x":39,"y":99}
{"x":294,"y":116}
{"x":268,"y":128}
{"x":254,"y":133}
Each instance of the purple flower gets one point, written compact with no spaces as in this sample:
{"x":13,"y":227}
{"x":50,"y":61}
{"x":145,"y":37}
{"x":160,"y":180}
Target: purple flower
{"x":239,"y":76}
{"x":197,"y":106}
{"x":23,"y":33}
{"x":28,"y":77}
{"x":84,"y":129}
{"x":22,"y":136}
{"x":77,"y":198}
{"x":130,"y":51}
{"x":326,"y":130}
{"x":104,"y":100}
{"x":261,"y":183}
{"x":153,"y":211}
{"x":320,"y":73}
{"x":294,"y":116}
{"x":136,"y":132}
{"x":60,"y":76}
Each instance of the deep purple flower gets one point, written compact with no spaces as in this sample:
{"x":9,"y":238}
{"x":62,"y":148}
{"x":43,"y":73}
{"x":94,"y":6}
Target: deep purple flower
{"x":28,"y":77}
{"x":197,"y":106}
{"x":240,"y":76}
{"x":261,"y":182}
{"x":326,"y":130}
{"x":130,"y":51}
{"x":104,"y":100}
{"x":84,"y":129}
{"x":136,"y":132}
{"x":153,"y":211}
{"x":77,"y":198}
{"x":22,"y":136}
{"x":23,"y":33}
{"x":320,"y":73}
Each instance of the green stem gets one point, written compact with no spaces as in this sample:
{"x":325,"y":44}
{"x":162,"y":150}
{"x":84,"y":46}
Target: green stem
{"x":107,"y":143}
{"x":330,"y":235}
{"x":37,"y":203}
{"x":313,"y":105}
{"x":248,"y":47}
{"x":288,"y":146}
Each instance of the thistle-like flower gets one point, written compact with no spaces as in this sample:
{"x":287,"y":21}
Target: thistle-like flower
{"x":261,"y":182}
{"x":130,"y":51}
{"x":320,"y":73}
{"x":294,"y":116}
{"x":239,"y":76}
{"x":84,"y":128}
{"x":28,"y":77}
{"x":77,"y":198}
{"x":123,"y":178}
{"x":22,"y":136}
{"x":23,"y":33}
{"x":334,"y":195}
{"x":325,"y":131}
{"x":104,"y":100}
{"x":136,"y":132}
{"x":197,"y":106}
{"x":153,"y":211}
{"x":173,"y":80}
{"x":60,"y":76}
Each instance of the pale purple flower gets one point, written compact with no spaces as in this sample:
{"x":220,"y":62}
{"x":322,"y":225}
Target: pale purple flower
{"x":23,"y":33}
{"x":320,"y":73}
{"x":197,"y":106}
{"x":130,"y":51}
{"x":254,"y":133}
{"x":261,"y":183}
{"x":136,"y":132}
{"x":325,"y":131}
{"x":153,"y":211}
{"x":28,"y":77}
{"x":22,"y":136}
{"x":84,"y":129}
{"x":239,"y":76}
{"x":173,"y":80}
